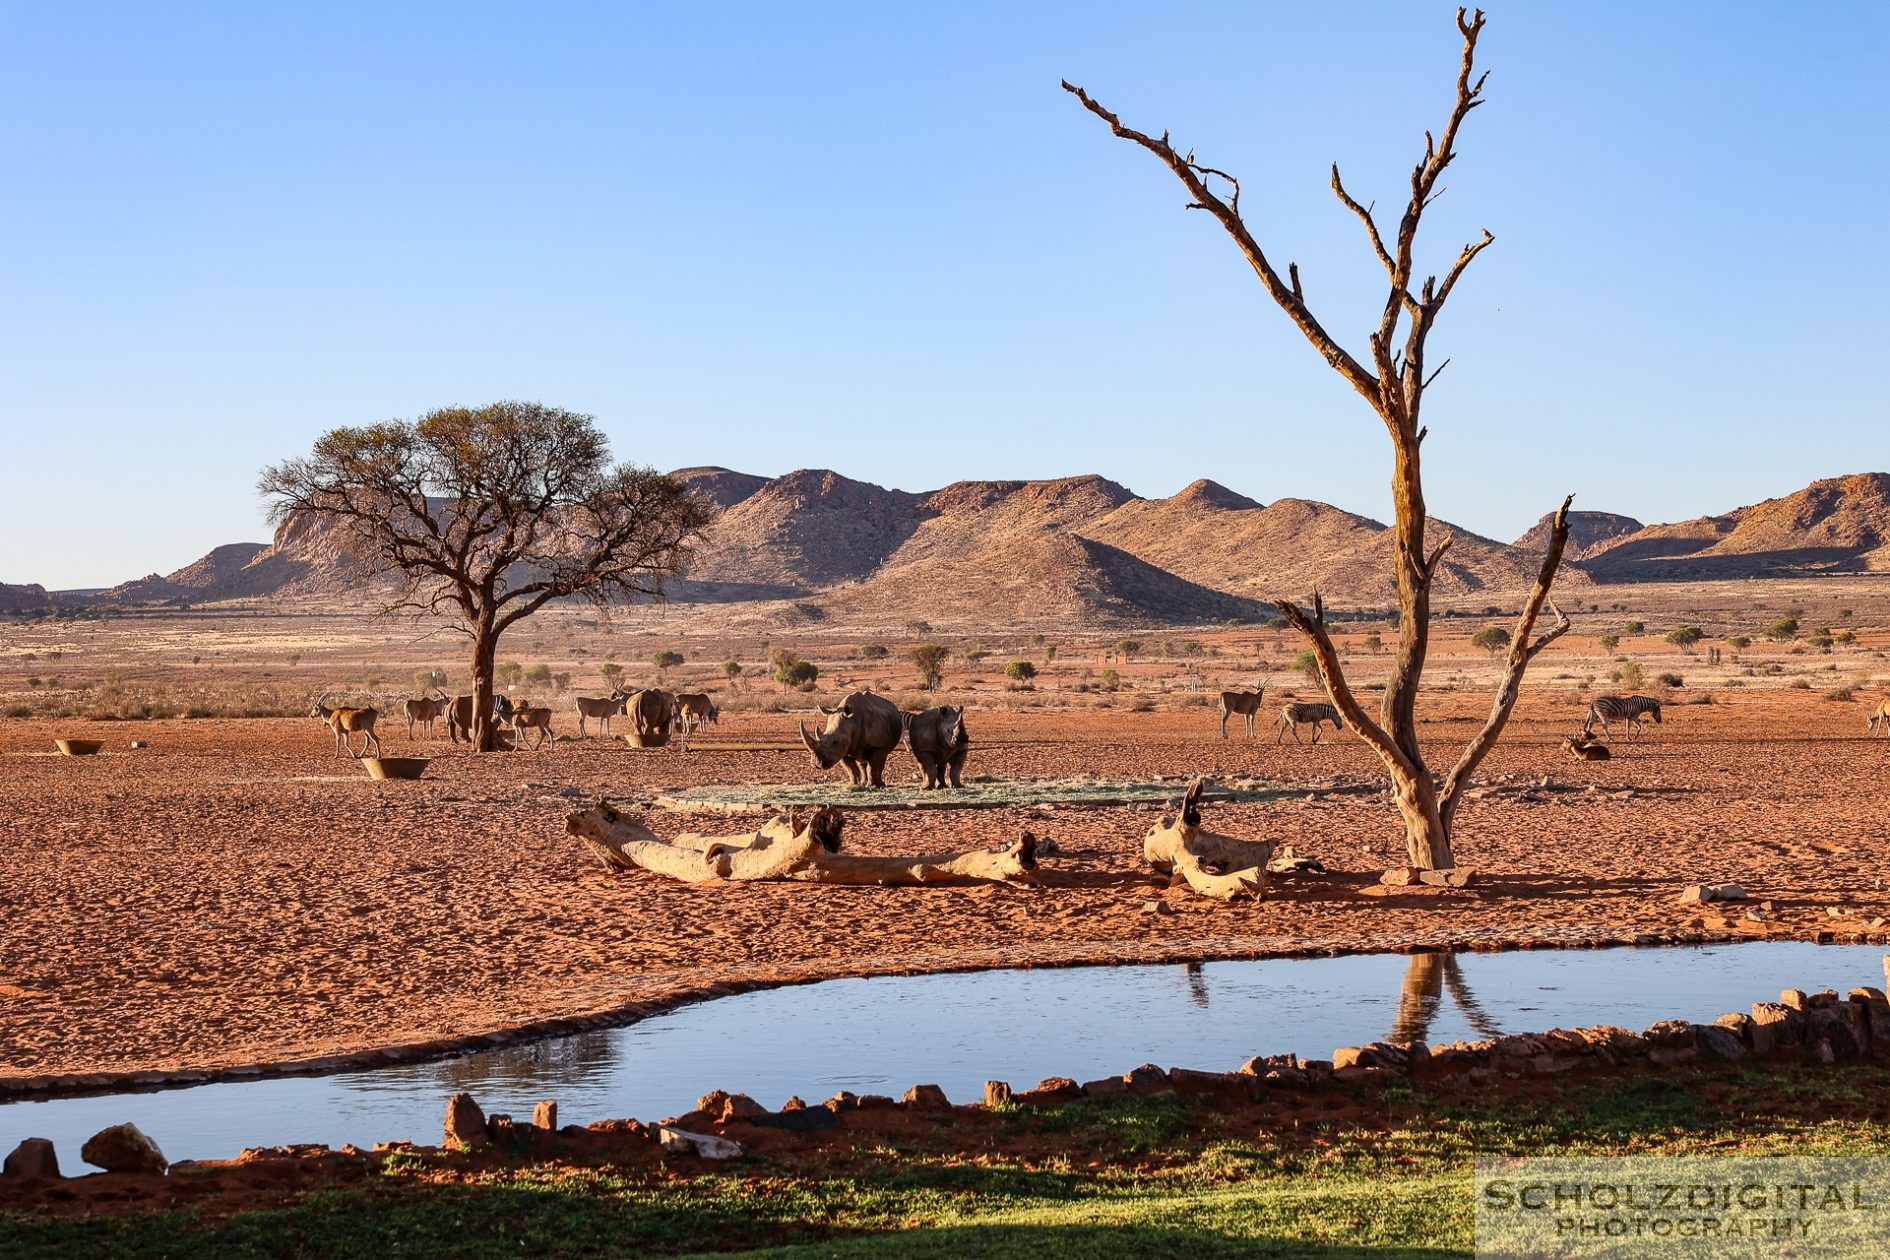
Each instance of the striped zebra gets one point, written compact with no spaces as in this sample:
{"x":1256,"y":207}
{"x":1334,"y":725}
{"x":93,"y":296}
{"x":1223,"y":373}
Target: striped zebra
{"x":1294,"y":714}
{"x":1629,"y":709}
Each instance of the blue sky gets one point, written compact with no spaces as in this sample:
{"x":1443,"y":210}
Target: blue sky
{"x":879,"y":238}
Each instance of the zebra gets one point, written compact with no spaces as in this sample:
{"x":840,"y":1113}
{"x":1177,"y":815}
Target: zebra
{"x":1620,"y":708}
{"x":1294,"y":714}
{"x":1245,"y":703}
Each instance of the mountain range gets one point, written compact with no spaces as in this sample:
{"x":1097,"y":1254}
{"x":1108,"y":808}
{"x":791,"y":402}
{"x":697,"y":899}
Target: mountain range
{"x":1081,"y":550}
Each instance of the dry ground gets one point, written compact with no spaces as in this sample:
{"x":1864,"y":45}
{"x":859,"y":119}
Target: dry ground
{"x":235,"y":895}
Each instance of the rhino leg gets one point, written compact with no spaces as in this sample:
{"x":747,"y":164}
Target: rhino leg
{"x":928,"y":770}
{"x":876,"y":762}
{"x":956,"y":765}
{"x":854,"y":777}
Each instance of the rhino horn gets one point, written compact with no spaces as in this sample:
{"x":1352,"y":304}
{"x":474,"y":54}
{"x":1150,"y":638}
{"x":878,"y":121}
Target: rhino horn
{"x":806,"y":738}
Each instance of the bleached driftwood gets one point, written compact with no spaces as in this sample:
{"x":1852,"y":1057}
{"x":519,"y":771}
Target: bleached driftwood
{"x":786,"y":849}
{"x":1214,"y":865}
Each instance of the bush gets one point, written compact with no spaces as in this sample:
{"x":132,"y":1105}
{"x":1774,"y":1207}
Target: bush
{"x":1374,"y":642}
{"x":1491,"y":639}
{"x":1671,"y":680}
{"x":871,"y":651}
{"x":1609,"y":642}
{"x":424,"y":679}
{"x":974,"y":655}
{"x":1785,"y":628}
{"x":1127,"y":648}
{"x":1278,"y":623}
{"x":611,"y":672}
{"x":538,"y":674}
{"x":1684,"y":637}
{"x":1846,"y":637}
{"x":1022,"y":671}
{"x":561,"y":680}
{"x":1109,"y":680}
{"x":1739,"y":640}
{"x":929,"y":659}
{"x":1628,"y":674}
{"x":1307,"y":663}
{"x":1844,"y":694}
{"x":731,"y":670}
{"x":1635,"y":627}
{"x":666,"y":660}
{"x":1820,"y":638}
{"x":797,"y":673}
{"x":508,"y":673}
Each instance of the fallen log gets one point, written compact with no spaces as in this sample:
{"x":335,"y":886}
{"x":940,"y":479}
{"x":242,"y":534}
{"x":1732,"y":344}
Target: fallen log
{"x":806,"y":850}
{"x":1214,"y":865}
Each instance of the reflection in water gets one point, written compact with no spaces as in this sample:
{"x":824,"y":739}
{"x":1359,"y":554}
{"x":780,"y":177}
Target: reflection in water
{"x":1425,"y":979}
{"x":1197,"y":985}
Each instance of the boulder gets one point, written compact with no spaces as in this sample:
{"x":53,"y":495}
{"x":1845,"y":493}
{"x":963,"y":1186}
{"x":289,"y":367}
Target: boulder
{"x":927,"y":1098}
{"x":465,"y":1122}
{"x":1875,"y":1009}
{"x":1379,"y":1054}
{"x":1720,"y":1042}
{"x":845,"y":1100}
{"x":1261,"y":1064}
{"x":1793,"y":998}
{"x":1146,"y":1076}
{"x":1452,"y":877}
{"x":1055,"y":1089}
{"x":1401,"y":876}
{"x":32,"y":1160}
{"x":703,"y":1145}
{"x":1107,"y":1085}
{"x":1774,"y":1027}
{"x":122,"y":1148}
{"x":545,"y":1115}
{"x":996,"y":1093}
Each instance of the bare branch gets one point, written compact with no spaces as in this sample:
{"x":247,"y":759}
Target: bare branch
{"x":1437,"y":553}
{"x":1470,"y":251}
{"x":1371,"y":227}
{"x":1313,"y":626}
{"x":1427,"y":384}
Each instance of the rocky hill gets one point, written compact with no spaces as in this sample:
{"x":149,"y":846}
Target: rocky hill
{"x":1077,"y":550}
{"x":1840,"y":525}
{"x":22,"y":597}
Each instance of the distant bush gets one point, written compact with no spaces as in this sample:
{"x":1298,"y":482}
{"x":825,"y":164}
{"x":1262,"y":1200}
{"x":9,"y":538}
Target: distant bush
{"x":611,"y":671}
{"x":929,"y":659}
{"x":871,"y":651}
{"x":1635,"y":627}
{"x":1109,"y":680}
{"x":797,"y":673}
{"x":1820,"y":638}
{"x":561,"y":680}
{"x":1022,"y":671}
{"x":974,"y":655}
{"x":666,"y":659}
{"x":1491,"y":639}
{"x":1628,"y":674}
{"x":540,"y":674}
{"x":1278,"y":623}
{"x":1373,"y":641}
{"x":508,"y":673}
{"x":1128,"y":648}
{"x":1307,"y":663}
{"x":1844,"y":694}
{"x":1739,"y":640}
{"x":1609,"y":642}
{"x":1783,"y":629}
{"x":1845,"y":637}
{"x":1684,"y":637}
{"x":423,"y":679}
{"x":732,"y":669}
{"x":1671,"y":680}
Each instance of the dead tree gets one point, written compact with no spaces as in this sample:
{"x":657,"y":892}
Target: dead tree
{"x":805,"y":850}
{"x":1214,"y":865}
{"x":1392,"y":379}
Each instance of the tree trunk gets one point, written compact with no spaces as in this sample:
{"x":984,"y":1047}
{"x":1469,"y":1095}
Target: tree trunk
{"x":1218,"y":866}
{"x":485,"y":651}
{"x":1426,"y":836}
{"x":785,"y":849}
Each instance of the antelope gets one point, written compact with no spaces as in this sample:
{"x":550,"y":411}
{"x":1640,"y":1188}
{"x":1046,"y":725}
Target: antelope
{"x":1582,"y":748}
{"x":601,"y":710}
{"x":1620,"y":708}
{"x":695,"y":708}
{"x":1294,"y":714}
{"x":1877,"y":721}
{"x":459,"y":716}
{"x":424,"y":709}
{"x":1245,"y":703}
{"x":344,"y":723}
{"x":531,"y":718}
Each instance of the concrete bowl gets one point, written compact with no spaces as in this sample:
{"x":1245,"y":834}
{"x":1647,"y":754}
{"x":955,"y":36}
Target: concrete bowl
{"x":395,"y":767}
{"x":79,"y":747}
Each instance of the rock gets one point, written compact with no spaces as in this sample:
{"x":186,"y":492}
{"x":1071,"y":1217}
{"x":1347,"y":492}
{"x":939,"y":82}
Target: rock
{"x":465,"y":1122}
{"x":1106,"y":1086}
{"x":1824,"y":1053}
{"x":138,"y":743}
{"x":794,"y":1103}
{"x":545,"y":1115}
{"x":703,"y":1145}
{"x":1055,"y":1088}
{"x":1775,"y":1026}
{"x":1261,"y":1064}
{"x":1729,"y":892}
{"x":1189,"y":1078}
{"x":1452,"y":877}
{"x":32,"y":1160}
{"x":842,"y":1101}
{"x":740,"y":1107}
{"x":1378,"y":1054}
{"x":501,"y":1129}
{"x":1793,"y":998}
{"x":927,"y":1098}
{"x":1146,"y":1075}
{"x":1157,"y":907}
{"x":1720,"y":1042}
{"x":1401,"y":876}
{"x":122,"y":1148}
{"x":996,"y":1093}
{"x":1875,"y":1009}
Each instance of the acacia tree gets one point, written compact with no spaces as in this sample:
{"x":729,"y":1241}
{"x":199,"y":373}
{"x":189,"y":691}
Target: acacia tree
{"x":1392,"y":378}
{"x":489,"y":514}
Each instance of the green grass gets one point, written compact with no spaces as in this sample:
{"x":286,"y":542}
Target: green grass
{"x":1375,"y":1171}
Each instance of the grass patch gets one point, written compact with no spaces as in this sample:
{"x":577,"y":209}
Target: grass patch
{"x":976,"y":794}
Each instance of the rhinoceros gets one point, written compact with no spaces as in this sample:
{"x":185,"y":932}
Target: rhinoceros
{"x":940,"y":742}
{"x":859,"y":733}
{"x":652,"y":712}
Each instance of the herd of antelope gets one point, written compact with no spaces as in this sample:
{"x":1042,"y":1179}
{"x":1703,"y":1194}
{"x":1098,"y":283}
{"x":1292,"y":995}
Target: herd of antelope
{"x":529,"y":724}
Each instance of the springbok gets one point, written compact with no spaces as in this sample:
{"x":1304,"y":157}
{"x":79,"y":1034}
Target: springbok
{"x":459,"y":716}
{"x":1877,"y":721}
{"x":424,"y":709}
{"x":601,"y":710}
{"x":1582,"y":748}
{"x":347,"y":722}
{"x":1245,"y":703}
{"x":527,"y":717}
{"x":695,"y":708}
{"x":1295,"y":714}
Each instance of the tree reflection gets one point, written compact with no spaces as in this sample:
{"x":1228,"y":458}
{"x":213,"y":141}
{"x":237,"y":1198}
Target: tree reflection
{"x":1425,"y":981}
{"x":1197,"y":985}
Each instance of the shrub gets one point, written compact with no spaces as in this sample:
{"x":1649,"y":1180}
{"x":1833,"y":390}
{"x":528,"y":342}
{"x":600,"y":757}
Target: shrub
{"x":666,"y":660}
{"x":1785,"y":628}
{"x":1374,"y":642}
{"x":1820,"y":638}
{"x":1127,"y":648}
{"x":1671,"y":680}
{"x":1845,"y":613}
{"x":1739,"y":640}
{"x":1022,"y":671}
{"x":611,"y":671}
{"x":871,"y":651}
{"x":1846,"y":637}
{"x":562,"y":681}
{"x":1635,"y":627}
{"x":1109,"y":680}
{"x":732,"y":669}
{"x":427,"y":678}
{"x":1684,"y":637}
{"x":1609,"y":642}
{"x":1491,"y":639}
{"x":538,"y":674}
{"x":1278,"y":623}
{"x":929,"y":659}
{"x":797,"y":673}
{"x":1844,"y":694}
{"x":1142,"y":706}
{"x":1307,"y":663}
{"x":1628,"y":674}
{"x":974,"y":655}
{"x":1049,"y":653}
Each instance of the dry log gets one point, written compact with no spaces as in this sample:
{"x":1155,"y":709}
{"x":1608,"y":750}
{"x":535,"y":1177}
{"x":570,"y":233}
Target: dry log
{"x":787,"y":849}
{"x":1214,"y":865}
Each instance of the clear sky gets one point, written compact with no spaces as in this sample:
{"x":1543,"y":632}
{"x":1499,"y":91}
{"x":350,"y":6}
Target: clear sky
{"x":879,"y":238}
